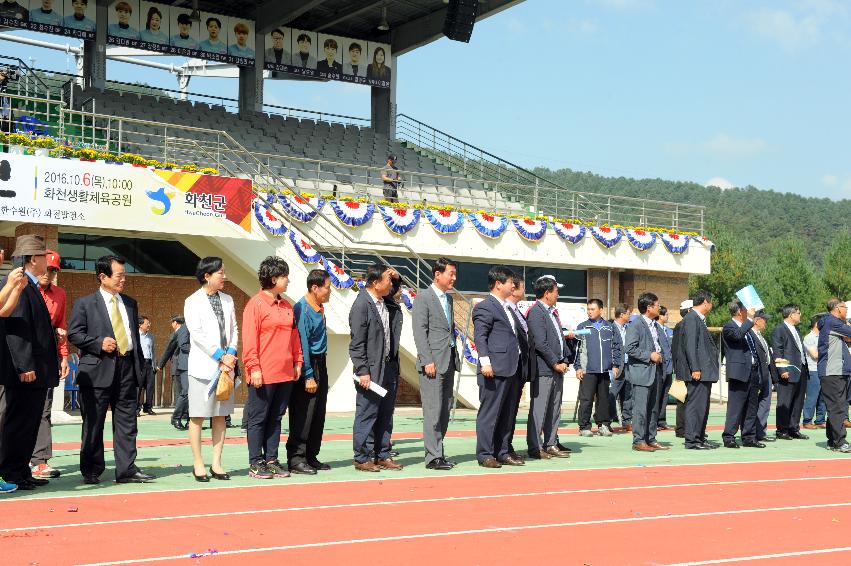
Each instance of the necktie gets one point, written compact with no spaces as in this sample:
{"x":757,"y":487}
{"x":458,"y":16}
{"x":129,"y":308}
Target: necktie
{"x":554,"y":312}
{"x":118,"y":327}
{"x":751,"y":347}
{"x":445,"y":300}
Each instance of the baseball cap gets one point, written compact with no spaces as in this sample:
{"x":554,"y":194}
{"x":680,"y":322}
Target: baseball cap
{"x":551,"y":277}
{"x":686,"y":305}
{"x":53,"y":260}
{"x":763,"y":315}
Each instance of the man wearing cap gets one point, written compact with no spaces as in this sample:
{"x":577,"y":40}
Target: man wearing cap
{"x":103,"y":326}
{"x":390,"y":176}
{"x":55,"y":299}
{"x":177,"y":350}
{"x":31,"y":368}
{"x":546,"y":388}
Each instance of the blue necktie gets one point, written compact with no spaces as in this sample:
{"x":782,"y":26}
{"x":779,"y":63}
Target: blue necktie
{"x":445,"y":300}
{"x":752,"y":347}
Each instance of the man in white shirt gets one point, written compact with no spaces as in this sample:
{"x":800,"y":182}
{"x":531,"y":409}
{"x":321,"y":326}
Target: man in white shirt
{"x":146,"y":388}
{"x":110,"y":372}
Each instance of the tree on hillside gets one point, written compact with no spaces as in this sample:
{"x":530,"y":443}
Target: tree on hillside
{"x":788,"y":277}
{"x":837,"y":266}
{"x":731,"y":270}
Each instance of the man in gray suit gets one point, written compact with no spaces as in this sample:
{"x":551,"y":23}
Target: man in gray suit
{"x":552,"y":352}
{"x":697,"y":365}
{"x":177,"y":350}
{"x":644,"y":372}
{"x":437,"y":359}
{"x":375,"y":324}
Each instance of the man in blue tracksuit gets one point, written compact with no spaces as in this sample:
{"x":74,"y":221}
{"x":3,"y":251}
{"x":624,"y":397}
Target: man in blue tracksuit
{"x":600,"y":351}
{"x":834,"y":367}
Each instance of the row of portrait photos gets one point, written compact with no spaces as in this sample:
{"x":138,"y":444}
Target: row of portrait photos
{"x":169,"y":29}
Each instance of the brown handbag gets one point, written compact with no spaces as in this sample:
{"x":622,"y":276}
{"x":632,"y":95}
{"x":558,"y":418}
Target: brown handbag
{"x":224,"y":389}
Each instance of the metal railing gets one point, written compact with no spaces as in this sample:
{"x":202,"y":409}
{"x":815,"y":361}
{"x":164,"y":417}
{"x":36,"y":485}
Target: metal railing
{"x":208,"y":147}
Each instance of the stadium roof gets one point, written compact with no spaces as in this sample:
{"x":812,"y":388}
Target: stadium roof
{"x":413,"y":23}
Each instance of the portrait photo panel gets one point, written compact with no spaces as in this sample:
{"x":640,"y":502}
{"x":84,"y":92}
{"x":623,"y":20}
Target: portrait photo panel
{"x":80,"y":15}
{"x":154,"y":23}
{"x":329,"y":54}
{"x":213,"y":34}
{"x":278,"y":46}
{"x":123,"y":19}
{"x":304,"y":49}
{"x":354,"y":57}
{"x":184,"y":32}
{"x":241,"y":38}
{"x":378,"y":65}
{"x":49,"y":12}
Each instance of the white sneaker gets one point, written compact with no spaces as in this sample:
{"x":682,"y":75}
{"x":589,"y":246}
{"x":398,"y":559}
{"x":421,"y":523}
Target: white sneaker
{"x":604,"y":430}
{"x":586,"y":433}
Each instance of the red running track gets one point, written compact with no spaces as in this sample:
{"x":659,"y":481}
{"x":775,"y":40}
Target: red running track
{"x":652,"y":515}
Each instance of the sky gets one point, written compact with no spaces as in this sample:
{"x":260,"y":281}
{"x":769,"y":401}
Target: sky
{"x":724,"y":92}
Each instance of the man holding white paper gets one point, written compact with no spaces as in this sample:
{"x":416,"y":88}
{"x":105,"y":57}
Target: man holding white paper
{"x":743,"y":377}
{"x":376,"y":325}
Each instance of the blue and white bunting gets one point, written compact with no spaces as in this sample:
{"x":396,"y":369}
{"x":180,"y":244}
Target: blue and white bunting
{"x":488,"y":225}
{"x":339,"y":278}
{"x":445,"y":221}
{"x":471,"y":354}
{"x":266,"y":217}
{"x":399,"y":220}
{"x":352,"y":214}
{"x":408,"y":298}
{"x":305,"y":251}
{"x":606,"y":236}
{"x":531,"y":230}
{"x":572,"y":233}
{"x":703,"y":240}
{"x":676,"y":243}
{"x":300,"y":208}
{"x":641,"y":240}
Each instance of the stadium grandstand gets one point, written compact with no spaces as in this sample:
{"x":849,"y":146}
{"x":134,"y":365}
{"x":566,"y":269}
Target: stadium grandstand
{"x":320,"y":158}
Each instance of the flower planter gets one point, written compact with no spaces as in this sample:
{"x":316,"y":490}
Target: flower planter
{"x":41,"y":152}
{"x":17,"y":149}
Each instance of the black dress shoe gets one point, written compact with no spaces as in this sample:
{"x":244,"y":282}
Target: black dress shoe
{"x":394,"y":453}
{"x":303,"y":468}
{"x":136,"y":477}
{"x":767,"y":439}
{"x":698,"y":447}
{"x":784,"y":436}
{"x":563,"y":448}
{"x":438,"y":464}
{"x":753,"y":444}
{"x":452,"y":463}
{"x":39,"y":482}
{"x":91,"y":480}
{"x":25,"y":484}
{"x":149,"y":412}
{"x":711,"y":445}
{"x":222,"y":476}
{"x":731,"y":444}
{"x":317,"y":465}
{"x":203,"y":478}
{"x":798,"y":436}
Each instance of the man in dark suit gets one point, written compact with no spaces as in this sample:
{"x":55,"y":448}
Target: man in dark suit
{"x":528,"y":361}
{"x":644,"y":372}
{"x":437,"y":359}
{"x":177,"y":350}
{"x":743,"y":377}
{"x":31,"y":367}
{"x":665,"y":336}
{"x":103,"y":327}
{"x":792,"y":382}
{"x":676,"y":354}
{"x":767,"y":375}
{"x":552,"y":353}
{"x":376,"y":325}
{"x":698,"y":366}
{"x":495,"y":328}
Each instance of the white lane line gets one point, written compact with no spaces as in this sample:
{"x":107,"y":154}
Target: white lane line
{"x":477,"y":531}
{"x":416,"y":501}
{"x":765,"y":556}
{"x":385,"y":478}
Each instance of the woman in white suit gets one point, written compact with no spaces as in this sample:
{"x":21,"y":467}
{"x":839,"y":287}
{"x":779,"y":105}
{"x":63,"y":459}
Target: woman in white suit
{"x":213,"y":335}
